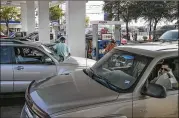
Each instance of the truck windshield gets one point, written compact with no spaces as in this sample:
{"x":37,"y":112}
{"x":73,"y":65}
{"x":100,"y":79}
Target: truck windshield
{"x":120,"y":69}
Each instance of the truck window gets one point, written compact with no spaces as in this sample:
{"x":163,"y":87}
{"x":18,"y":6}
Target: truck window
{"x":166,"y":74}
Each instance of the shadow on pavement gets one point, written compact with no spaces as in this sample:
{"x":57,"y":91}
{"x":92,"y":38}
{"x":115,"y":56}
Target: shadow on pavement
{"x":11,"y":107}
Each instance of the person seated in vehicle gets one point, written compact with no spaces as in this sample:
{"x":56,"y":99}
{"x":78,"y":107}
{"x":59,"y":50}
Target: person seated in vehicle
{"x":18,"y":56}
{"x":62,"y":49}
{"x":165,"y":76}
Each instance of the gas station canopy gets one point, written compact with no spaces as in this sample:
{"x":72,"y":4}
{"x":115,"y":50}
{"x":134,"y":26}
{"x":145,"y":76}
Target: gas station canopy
{"x":75,"y":21}
{"x":18,"y":3}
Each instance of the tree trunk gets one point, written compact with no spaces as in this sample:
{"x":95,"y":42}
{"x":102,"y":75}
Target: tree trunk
{"x":150,"y":29}
{"x":117,"y":27}
{"x":7,"y":27}
{"x":154,"y":29}
{"x":178,"y":15}
{"x":118,"y":12}
{"x":127,"y":30}
{"x":59,"y":24}
{"x":127,"y":23}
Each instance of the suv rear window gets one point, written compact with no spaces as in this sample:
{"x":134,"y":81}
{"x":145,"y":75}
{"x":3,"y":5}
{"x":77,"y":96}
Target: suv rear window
{"x":170,"y":35}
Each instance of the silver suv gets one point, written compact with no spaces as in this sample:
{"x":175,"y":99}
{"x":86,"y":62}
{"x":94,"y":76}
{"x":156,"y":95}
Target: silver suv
{"x":119,"y":85}
{"x":22,"y":62}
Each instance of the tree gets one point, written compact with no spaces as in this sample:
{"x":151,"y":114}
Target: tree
{"x":55,"y":13}
{"x":2,"y":28}
{"x":174,"y":11}
{"x":9,"y":13}
{"x":125,"y":10}
{"x":147,"y":13}
{"x":87,"y":21}
{"x":109,"y":7}
{"x":155,"y":11}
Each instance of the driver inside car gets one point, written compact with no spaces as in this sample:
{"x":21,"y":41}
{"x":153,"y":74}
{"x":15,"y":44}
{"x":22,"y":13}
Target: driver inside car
{"x":18,"y":56}
{"x":165,"y":76}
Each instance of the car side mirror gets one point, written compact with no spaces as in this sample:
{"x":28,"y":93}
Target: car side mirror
{"x":48,"y":61}
{"x":155,"y":90}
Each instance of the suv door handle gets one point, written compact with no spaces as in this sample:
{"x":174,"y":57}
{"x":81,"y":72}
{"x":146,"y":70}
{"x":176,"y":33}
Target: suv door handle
{"x":19,"y":67}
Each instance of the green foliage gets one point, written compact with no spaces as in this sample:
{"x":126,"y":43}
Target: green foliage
{"x":8,"y":13}
{"x":174,"y":13}
{"x":145,"y":38}
{"x":87,"y":21}
{"x":125,"y":10}
{"x":2,"y":28}
{"x":155,"y":11}
{"x":108,"y":7}
{"x":152,"y":11}
{"x":55,"y":13}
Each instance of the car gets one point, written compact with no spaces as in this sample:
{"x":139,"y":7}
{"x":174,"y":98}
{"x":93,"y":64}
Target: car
{"x":34,"y":36}
{"x":123,"y":41}
{"x":30,"y":35}
{"x":18,"y":34}
{"x":163,"y":29}
{"x":22,"y":62}
{"x":171,"y":35}
{"x":109,"y":89}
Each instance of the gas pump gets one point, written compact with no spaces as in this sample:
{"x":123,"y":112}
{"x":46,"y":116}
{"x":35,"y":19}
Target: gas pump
{"x":98,"y":44}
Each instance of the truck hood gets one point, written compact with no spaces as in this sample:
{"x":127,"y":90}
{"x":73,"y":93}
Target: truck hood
{"x":65,"y":92}
{"x":80,"y":61}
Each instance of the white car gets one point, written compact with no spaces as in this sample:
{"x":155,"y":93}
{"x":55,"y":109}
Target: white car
{"x":22,"y":62}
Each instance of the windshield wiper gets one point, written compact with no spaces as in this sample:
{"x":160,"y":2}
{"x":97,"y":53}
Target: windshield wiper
{"x":103,"y":80}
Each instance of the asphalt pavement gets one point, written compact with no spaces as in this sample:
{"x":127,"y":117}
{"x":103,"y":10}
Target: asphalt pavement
{"x":11,"y":107}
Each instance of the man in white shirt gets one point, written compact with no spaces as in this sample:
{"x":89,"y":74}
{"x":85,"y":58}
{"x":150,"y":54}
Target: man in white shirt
{"x":165,"y":77}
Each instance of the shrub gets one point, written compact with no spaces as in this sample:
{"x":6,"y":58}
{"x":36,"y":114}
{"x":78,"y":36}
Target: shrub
{"x":145,"y":38}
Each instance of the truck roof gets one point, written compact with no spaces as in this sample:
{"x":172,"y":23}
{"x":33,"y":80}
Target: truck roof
{"x":151,"y":49}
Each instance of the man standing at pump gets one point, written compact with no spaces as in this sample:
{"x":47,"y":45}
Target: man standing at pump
{"x":62,"y":49}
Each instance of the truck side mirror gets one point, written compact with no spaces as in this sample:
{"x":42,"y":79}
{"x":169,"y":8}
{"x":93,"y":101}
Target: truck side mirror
{"x":154,"y":90}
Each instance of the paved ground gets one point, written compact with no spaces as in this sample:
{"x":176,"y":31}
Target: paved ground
{"x":11,"y":107}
